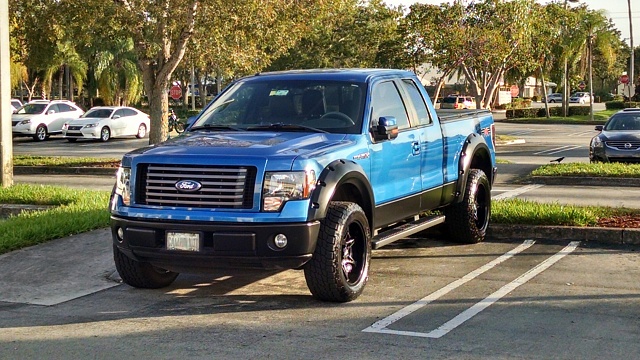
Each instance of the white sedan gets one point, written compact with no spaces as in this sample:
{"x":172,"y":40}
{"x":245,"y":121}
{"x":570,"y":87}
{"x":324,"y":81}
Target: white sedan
{"x":105,"y":122}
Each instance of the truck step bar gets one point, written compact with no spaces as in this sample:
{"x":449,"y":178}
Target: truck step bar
{"x":402,"y":231}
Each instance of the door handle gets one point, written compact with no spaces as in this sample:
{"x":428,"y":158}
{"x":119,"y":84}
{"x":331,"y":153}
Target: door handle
{"x":415,"y":148}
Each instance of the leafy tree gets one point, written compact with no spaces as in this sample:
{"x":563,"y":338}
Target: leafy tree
{"x":117,"y":73}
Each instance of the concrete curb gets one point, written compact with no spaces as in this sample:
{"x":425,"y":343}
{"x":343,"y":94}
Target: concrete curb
{"x":32,"y":170}
{"x":584,"y":181}
{"x":617,"y":236}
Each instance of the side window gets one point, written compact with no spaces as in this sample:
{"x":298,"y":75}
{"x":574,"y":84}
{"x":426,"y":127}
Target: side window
{"x":53,"y":108}
{"x":129,"y":112}
{"x":418,"y":102}
{"x":386,"y":101}
{"x":64,"y":108}
{"x":119,"y":113}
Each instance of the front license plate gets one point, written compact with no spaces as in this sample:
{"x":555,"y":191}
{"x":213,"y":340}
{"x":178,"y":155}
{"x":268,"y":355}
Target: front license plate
{"x":183,"y":241}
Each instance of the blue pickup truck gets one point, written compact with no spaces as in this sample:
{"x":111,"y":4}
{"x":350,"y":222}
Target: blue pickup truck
{"x":308,"y":170}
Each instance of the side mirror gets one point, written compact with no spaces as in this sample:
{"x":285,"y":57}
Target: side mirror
{"x":387,"y":128}
{"x":599,"y":128}
{"x":116,"y":117}
{"x":51,"y":112}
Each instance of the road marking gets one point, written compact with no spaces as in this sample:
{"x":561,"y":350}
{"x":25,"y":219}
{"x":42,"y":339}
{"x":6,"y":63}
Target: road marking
{"x":515,"y":192}
{"x":500,"y":293}
{"x":558,"y":150}
{"x":380,"y":326}
{"x":582,"y":133}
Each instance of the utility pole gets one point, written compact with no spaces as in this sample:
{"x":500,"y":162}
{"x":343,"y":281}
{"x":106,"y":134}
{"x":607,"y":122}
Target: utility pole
{"x":6,"y":142}
{"x":590,"y":39}
{"x":632,"y":80}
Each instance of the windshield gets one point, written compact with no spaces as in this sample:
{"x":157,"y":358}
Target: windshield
{"x":623,"y":122}
{"x":98,"y":113}
{"x":32,"y":109}
{"x":332,"y":106}
{"x":449,"y":100}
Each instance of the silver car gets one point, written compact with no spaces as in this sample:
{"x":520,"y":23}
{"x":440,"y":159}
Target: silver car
{"x":552,"y":98}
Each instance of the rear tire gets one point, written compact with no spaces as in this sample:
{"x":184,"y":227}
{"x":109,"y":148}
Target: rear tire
{"x":142,"y":131}
{"x":467,"y":221}
{"x":339,"y":268}
{"x":141,"y":274}
{"x":179,"y":126}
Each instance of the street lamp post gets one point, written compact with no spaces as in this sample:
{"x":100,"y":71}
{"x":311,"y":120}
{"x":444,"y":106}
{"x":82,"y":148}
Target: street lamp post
{"x":565,"y":74}
{"x":590,"y":38}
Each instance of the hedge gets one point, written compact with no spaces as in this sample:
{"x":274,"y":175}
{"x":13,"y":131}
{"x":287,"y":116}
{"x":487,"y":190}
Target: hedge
{"x":611,"y":105}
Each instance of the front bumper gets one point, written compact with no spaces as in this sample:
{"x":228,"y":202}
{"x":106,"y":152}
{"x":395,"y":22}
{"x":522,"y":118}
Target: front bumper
{"x":82,"y":134}
{"x":223,"y":245}
{"x":609,"y":154}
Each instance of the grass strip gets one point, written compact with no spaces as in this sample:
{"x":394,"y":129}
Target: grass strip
{"x":74,"y":211}
{"x":589,"y":170}
{"x":28,"y":160}
{"x":524,"y":212}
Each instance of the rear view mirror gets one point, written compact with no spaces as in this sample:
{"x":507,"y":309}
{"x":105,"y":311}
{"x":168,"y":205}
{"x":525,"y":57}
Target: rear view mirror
{"x":387,"y":128}
{"x":599,"y":127}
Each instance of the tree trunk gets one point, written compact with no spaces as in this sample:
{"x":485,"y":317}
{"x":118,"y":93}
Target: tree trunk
{"x":158,"y":110}
{"x":544,"y":91}
{"x":60,"y":81}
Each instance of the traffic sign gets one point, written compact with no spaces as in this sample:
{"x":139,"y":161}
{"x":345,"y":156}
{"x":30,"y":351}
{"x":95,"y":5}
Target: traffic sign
{"x":175,"y":92}
{"x":624,"y":79}
{"x":514,"y":90}
{"x":581,"y":85}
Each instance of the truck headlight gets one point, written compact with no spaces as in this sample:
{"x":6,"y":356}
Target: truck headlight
{"x":280,"y":187}
{"x":596,"y":142}
{"x":25,"y":122}
{"x":123,"y":187}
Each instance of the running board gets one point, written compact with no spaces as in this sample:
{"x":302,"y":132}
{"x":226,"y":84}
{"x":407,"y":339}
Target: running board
{"x":405,"y":230}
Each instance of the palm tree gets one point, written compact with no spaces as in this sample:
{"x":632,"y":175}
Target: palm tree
{"x":65,"y":55}
{"x":119,"y":79}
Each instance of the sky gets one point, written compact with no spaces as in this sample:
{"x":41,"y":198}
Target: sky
{"x":617,"y":10}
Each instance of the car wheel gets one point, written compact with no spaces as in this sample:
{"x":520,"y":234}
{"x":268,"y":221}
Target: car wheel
{"x":339,"y":268}
{"x":141,"y":274}
{"x":467,"y":221}
{"x":41,"y":133}
{"x":552,"y":101}
{"x":142,"y":131}
{"x":71,"y":140}
{"x":105,"y":134}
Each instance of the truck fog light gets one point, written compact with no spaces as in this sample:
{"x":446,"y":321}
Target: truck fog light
{"x":120,"y":233}
{"x":280,"y":241}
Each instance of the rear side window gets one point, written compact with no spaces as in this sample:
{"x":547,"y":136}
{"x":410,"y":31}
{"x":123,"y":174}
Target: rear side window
{"x":449,"y":100}
{"x":418,"y":101}
{"x":386,"y":101}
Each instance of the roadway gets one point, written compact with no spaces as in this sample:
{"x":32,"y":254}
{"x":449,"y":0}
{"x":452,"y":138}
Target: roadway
{"x":426,"y":297}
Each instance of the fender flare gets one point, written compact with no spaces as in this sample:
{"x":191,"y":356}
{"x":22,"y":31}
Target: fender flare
{"x":334,"y":175}
{"x":474,"y":144}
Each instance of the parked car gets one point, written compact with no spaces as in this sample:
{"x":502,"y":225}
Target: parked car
{"x":105,"y":122}
{"x":458,"y":102}
{"x":552,"y":98}
{"x":619,"y":138}
{"x":580,"y":98}
{"x":42,"y":118}
{"x":17,"y":104}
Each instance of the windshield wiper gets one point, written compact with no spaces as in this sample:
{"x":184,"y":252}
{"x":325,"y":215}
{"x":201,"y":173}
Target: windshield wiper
{"x":286,"y":127}
{"x":215,"y":127}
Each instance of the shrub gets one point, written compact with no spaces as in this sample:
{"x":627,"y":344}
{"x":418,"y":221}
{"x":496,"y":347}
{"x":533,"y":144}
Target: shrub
{"x":612,"y":105}
{"x":553,"y":111}
{"x":522,"y":113}
{"x":579,"y":110}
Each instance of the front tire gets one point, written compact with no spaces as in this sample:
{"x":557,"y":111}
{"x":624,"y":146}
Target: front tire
{"x":467,"y":221}
{"x":179,"y":126}
{"x":339,"y":268}
{"x":105,"y":134}
{"x":41,"y":133}
{"x":141,"y":274}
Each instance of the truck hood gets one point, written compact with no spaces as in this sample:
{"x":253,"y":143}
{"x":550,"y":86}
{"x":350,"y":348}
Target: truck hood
{"x":264,"y":144}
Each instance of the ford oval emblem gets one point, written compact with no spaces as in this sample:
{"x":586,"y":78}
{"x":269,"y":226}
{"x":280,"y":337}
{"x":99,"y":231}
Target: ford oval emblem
{"x":188,"y":186}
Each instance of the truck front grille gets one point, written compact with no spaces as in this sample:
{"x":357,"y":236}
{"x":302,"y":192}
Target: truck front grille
{"x":228,"y":187}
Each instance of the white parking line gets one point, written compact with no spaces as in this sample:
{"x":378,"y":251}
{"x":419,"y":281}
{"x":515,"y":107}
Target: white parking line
{"x":380,"y":326}
{"x":515,"y":192}
{"x":582,"y":133}
{"x":558,"y":150}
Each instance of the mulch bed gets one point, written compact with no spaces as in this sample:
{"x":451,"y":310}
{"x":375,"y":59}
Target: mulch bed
{"x":625,"y":221}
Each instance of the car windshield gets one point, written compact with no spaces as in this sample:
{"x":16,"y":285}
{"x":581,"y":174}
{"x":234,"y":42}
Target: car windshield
{"x":32,"y":109}
{"x":286,"y":105}
{"x":449,"y":100}
{"x":98,"y":113}
{"x":623,"y":122}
